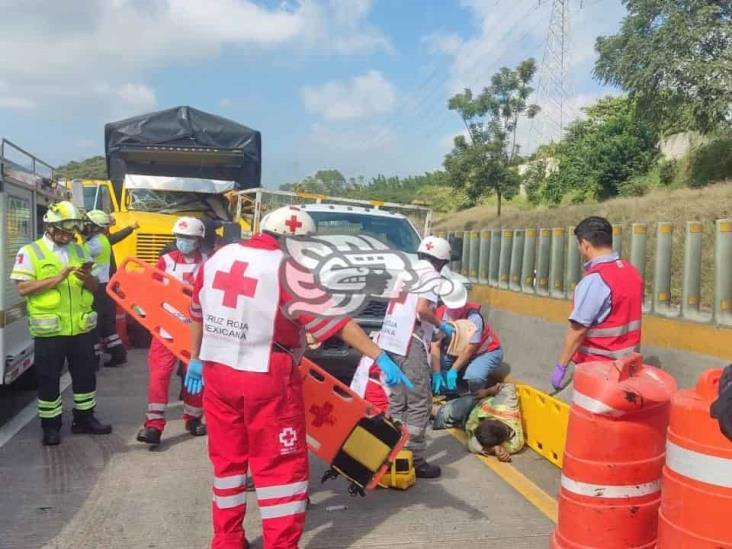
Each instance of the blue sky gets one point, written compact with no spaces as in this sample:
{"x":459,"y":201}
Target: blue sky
{"x":356,"y":85}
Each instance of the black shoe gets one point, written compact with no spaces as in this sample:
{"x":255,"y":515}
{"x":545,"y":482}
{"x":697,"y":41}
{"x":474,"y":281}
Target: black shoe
{"x":118,"y":358}
{"x":427,"y":470}
{"x":195,"y":427}
{"x":51,"y":438}
{"x":149,"y":435}
{"x":90,"y":425}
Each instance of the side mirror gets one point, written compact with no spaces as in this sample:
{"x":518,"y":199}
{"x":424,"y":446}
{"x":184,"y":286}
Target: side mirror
{"x":231,"y":232}
{"x":456,"y":247}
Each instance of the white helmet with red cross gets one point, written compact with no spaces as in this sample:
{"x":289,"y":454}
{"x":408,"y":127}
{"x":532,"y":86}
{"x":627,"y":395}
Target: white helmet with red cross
{"x":288,"y":221}
{"x":189,"y":226}
{"x":436,"y":247}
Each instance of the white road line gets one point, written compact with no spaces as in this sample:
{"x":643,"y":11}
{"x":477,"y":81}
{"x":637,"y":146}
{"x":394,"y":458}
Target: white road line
{"x":22,"y":418}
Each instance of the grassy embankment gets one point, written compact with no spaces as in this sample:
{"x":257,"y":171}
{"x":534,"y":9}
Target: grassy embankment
{"x":678,"y":206}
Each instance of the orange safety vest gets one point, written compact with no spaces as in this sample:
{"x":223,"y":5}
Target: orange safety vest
{"x":620,"y":333}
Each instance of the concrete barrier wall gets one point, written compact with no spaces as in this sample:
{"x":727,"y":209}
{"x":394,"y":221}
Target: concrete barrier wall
{"x":531,"y":329}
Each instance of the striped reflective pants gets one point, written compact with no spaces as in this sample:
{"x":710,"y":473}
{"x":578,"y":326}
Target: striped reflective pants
{"x":50,"y":355}
{"x":257,"y":421}
{"x":161,"y":364}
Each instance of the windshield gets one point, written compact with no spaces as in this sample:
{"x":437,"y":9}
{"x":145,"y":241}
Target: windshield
{"x":150,"y":200}
{"x":396,"y":232}
{"x":97,"y":198}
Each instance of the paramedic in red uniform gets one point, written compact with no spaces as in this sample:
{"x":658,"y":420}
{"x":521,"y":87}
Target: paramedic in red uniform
{"x":605,"y":323}
{"x":246,"y":351}
{"x":182,"y":263}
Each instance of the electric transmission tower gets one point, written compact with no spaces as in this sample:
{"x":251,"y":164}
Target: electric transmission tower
{"x":553,"y":83}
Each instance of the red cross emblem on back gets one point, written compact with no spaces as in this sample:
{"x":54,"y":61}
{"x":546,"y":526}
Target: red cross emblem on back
{"x":429,"y":245}
{"x":293,"y":224}
{"x":235,"y":284}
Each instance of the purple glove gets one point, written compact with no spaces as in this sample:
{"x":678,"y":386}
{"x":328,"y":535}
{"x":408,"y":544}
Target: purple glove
{"x":558,"y":375}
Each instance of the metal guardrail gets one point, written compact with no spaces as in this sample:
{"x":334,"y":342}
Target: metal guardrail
{"x":22,"y":159}
{"x":546,"y":262}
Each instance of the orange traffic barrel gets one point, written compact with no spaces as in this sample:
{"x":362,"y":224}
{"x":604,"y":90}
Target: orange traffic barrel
{"x":614,"y":454}
{"x":121,"y":326}
{"x":696,"y":507}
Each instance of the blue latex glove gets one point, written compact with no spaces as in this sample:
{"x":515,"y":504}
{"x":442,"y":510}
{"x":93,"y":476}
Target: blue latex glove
{"x":447,"y":328}
{"x":558,"y":375}
{"x":194,"y":377}
{"x":392,"y":372}
{"x":451,"y":379}
{"x":437,"y":382}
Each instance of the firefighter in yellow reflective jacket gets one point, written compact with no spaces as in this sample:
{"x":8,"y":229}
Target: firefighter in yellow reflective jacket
{"x":99,"y":247}
{"x":56,"y":277}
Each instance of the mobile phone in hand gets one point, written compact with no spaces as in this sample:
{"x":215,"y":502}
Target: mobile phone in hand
{"x":86,"y":266}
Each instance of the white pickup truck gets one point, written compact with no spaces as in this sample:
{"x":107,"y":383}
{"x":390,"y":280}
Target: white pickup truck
{"x":394,"y":224}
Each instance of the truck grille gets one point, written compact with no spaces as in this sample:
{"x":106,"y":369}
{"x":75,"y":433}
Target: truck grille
{"x":373,"y":309}
{"x":150,"y":245}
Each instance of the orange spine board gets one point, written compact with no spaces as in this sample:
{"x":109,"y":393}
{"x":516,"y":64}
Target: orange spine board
{"x":332,"y":409}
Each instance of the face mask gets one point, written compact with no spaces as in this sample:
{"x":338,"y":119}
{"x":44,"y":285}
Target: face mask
{"x":185,"y":246}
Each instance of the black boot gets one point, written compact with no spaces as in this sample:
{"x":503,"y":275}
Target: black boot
{"x":119,"y":356}
{"x":51,"y":437}
{"x":149,"y":435}
{"x":195,"y":427}
{"x":89,"y":424}
{"x":427,"y":470}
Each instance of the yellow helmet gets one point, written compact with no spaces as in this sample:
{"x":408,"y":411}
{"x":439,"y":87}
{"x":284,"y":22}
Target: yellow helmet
{"x":63,"y":215}
{"x":99,"y":218}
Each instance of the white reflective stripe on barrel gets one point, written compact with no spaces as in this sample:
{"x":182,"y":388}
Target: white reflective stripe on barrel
{"x":595,"y":406}
{"x":713,"y":470}
{"x":610,"y":491}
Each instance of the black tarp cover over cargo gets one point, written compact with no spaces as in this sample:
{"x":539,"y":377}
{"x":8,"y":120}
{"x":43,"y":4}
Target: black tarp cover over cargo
{"x":151,"y":144}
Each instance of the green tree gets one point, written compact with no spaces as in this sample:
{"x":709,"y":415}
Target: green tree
{"x":484,"y":163}
{"x":91,"y":168}
{"x":600,"y":153}
{"x":328,"y":182}
{"x":674,"y":57}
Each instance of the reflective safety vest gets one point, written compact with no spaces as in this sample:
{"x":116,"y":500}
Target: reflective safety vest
{"x":65,"y":310}
{"x":104,"y":259}
{"x":620,"y":333}
{"x":488,"y":340}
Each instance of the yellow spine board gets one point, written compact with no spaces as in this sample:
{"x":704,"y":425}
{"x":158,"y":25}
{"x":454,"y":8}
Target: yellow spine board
{"x":545,"y":420}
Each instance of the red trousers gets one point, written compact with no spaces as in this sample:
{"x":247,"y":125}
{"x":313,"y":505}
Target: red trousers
{"x":161,"y":363}
{"x":257,"y":420}
{"x":375,"y":393}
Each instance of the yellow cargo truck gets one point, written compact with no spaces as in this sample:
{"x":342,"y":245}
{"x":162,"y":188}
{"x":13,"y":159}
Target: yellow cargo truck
{"x":155,"y":222}
{"x":165,"y":164}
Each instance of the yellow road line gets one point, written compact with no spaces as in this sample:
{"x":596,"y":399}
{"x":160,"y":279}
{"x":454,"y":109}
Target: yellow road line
{"x":516,"y":480}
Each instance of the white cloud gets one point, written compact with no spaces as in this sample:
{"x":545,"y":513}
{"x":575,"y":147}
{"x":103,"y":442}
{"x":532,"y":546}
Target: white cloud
{"x":65,"y":50}
{"x":339,"y":26}
{"x":137,"y":97}
{"x":362,"y":96}
{"x":440,"y":42}
{"x":16,"y":104}
{"x":507,"y":32}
